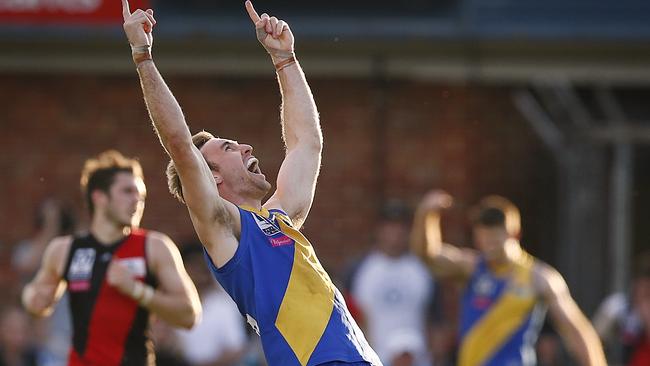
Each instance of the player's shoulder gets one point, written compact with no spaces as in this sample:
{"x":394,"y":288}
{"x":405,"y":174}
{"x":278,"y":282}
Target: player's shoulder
{"x":159,"y":243}
{"x":547,"y":279}
{"x":294,"y":219}
{"x":157,"y":237}
{"x":59,"y":245}
{"x":57,"y":252}
{"x":544,"y":270}
{"x":276,"y":208}
{"x":61,"y":241}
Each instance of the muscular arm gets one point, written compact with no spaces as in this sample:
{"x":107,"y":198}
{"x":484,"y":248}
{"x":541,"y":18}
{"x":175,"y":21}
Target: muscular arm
{"x":215,"y":220}
{"x":301,"y":132}
{"x":176,"y":300}
{"x":574,"y":328}
{"x":426,"y":241}
{"x":42,"y":293}
{"x":300,"y":124}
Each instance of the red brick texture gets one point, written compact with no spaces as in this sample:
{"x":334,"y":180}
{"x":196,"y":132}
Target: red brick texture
{"x":395,"y":140}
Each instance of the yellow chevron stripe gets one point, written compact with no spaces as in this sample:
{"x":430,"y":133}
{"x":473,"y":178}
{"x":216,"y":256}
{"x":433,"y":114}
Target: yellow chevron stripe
{"x":502,"y":320}
{"x":308,"y":302}
{"x":309,"y":299}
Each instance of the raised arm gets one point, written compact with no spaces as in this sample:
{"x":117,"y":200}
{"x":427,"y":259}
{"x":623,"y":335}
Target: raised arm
{"x":426,"y":239}
{"x":300,"y":124}
{"x":606,"y":317}
{"x":176,"y":300}
{"x":42,"y":293}
{"x":215,"y":219}
{"x":574,"y":327}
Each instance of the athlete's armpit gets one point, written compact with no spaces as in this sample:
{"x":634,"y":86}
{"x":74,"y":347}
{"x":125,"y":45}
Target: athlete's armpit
{"x":215,"y":220}
{"x":296,"y":183}
{"x":199,"y":190}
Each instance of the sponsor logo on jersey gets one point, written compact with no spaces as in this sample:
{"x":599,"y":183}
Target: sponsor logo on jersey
{"x":483,"y":289}
{"x":280,"y":241}
{"x":268,"y":227}
{"x":75,"y":286}
{"x":81,"y":267}
{"x":485,"y":286}
{"x":481,"y":302}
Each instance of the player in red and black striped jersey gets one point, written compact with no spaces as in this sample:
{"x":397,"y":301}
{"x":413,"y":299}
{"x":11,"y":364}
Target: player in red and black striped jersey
{"x":107,"y":325}
{"x":117,"y":275}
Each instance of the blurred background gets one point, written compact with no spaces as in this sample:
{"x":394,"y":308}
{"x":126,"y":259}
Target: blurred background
{"x":546,"y":103}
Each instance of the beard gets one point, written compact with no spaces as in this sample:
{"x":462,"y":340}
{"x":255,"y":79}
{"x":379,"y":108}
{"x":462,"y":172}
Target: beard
{"x":257,"y":186}
{"x":247,"y":185}
{"x":122,"y":220}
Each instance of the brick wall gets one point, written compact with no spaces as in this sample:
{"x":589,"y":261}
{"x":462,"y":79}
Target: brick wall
{"x":393,"y":140}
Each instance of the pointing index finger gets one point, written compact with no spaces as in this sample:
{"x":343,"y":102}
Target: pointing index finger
{"x":126,"y":10}
{"x":251,"y":12}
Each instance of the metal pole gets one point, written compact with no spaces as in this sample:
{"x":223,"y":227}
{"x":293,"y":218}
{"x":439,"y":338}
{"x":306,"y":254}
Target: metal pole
{"x":621,"y":179}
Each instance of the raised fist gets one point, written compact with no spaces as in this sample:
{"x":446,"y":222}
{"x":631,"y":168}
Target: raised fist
{"x":436,"y":200}
{"x":119,"y":277}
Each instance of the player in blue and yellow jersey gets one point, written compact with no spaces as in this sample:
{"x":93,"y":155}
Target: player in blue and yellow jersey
{"x":256,"y":251}
{"x":507,"y":291}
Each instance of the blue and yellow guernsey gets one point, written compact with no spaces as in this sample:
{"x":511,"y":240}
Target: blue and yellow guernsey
{"x":281,"y":288}
{"x":501,"y":316}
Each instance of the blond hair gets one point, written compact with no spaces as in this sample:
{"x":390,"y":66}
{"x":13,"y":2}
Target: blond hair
{"x":173,"y":180}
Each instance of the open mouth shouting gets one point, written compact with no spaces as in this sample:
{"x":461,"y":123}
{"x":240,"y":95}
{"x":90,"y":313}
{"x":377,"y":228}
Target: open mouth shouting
{"x":253,"y":166}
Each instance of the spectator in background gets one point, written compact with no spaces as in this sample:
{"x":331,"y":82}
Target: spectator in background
{"x":393,"y":291}
{"x":16,"y":348}
{"x":220,"y":338}
{"x":52,"y":219}
{"x":168,"y":349}
{"x":624,"y":319}
{"x":403,"y":347}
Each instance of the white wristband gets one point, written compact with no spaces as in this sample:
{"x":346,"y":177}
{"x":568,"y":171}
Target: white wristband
{"x":141,"y":53}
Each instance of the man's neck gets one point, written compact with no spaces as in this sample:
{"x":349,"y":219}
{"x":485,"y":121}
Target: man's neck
{"x":242,"y":201}
{"x":108,"y":232}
